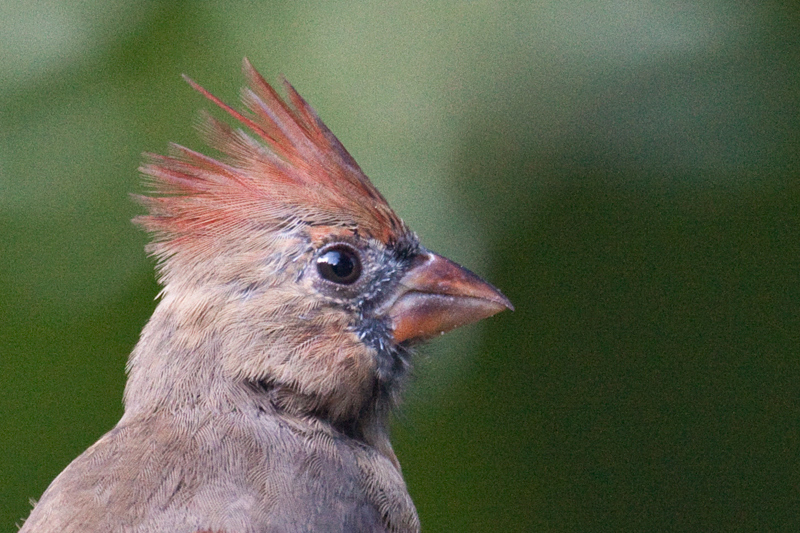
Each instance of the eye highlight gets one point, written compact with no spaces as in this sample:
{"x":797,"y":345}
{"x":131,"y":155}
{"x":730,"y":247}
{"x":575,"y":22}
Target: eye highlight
{"x":339,"y":264}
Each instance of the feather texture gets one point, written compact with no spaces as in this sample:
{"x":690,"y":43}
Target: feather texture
{"x":296,"y":173}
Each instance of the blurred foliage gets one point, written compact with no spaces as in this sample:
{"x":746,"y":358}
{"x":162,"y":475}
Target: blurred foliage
{"x":627,"y":172}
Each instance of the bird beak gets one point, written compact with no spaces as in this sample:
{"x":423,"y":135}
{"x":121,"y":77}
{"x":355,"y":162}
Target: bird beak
{"x":438,"y":295}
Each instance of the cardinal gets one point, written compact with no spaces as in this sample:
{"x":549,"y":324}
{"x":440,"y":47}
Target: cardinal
{"x":259,"y":392}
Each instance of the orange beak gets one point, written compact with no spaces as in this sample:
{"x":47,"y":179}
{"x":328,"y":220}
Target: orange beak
{"x":438,"y":295}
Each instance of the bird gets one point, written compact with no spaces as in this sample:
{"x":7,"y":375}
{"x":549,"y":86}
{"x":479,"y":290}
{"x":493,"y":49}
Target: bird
{"x":292,"y":300}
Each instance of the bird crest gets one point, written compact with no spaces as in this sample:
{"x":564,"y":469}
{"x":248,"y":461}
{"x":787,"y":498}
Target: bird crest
{"x":294,"y":173}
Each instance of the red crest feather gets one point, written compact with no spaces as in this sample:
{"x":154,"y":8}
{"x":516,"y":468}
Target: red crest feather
{"x":300,"y":175}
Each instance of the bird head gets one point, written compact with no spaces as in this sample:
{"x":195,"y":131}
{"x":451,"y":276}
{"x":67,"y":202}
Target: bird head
{"x":284,"y":268}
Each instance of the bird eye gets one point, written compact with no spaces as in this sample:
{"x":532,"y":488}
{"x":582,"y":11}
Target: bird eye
{"x":339,"y":264}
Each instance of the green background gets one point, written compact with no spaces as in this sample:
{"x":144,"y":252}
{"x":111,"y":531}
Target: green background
{"x":625,"y":171}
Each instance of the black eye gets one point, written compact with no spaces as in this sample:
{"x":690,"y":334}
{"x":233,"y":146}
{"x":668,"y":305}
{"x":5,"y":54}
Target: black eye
{"x":339,"y":264}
